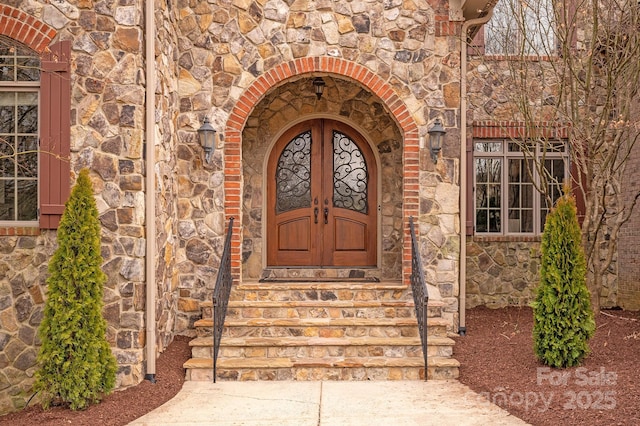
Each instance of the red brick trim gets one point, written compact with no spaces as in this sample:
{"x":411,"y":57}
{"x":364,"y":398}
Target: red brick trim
{"x":19,"y":231}
{"x":26,"y":29}
{"x":519,"y":129}
{"x":337,"y":66}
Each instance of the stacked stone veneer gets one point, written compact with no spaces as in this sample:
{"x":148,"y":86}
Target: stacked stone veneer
{"x":501,"y":272}
{"x":504,"y":270}
{"x":392,"y":67}
{"x":403,"y":56}
{"x":107,"y":136}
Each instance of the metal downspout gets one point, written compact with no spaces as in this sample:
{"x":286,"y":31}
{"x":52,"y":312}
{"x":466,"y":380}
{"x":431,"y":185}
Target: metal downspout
{"x":462,"y":328}
{"x":150,"y":185}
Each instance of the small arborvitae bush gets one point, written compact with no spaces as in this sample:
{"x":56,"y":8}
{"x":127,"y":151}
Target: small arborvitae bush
{"x":77,"y":366}
{"x":563,"y":319}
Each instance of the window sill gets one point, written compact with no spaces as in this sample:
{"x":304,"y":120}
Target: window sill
{"x":7,"y":231}
{"x":506,"y":238}
{"x":529,"y":58}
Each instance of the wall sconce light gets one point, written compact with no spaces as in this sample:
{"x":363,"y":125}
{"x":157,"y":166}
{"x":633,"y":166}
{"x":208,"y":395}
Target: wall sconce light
{"x":436,"y":136}
{"x":318,"y":86}
{"x":207,"y":135}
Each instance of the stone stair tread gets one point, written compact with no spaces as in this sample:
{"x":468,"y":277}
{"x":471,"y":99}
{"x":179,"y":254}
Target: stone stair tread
{"x":316,"y":322}
{"x":341,"y":285}
{"x":321,"y":303}
{"x":327,"y":362}
{"x":321,"y":322}
{"x":321,"y":341}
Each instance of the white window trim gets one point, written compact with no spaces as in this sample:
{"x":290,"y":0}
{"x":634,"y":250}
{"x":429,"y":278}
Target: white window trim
{"x":505,"y":155}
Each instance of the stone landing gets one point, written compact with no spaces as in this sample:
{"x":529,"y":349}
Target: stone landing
{"x":322,"y":331}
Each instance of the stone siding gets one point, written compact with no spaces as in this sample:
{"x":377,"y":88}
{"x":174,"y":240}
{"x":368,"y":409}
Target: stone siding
{"x":391,"y":68}
{"x":501,"y":273}
{"x":237,"y":55}
{"x":107,"y":135}
{"x":22,"y":292}
{"x":511,"y":283}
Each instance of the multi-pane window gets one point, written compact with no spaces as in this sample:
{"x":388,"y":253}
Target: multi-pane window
{"x":520,"y":28}
{"x":515,"y":185}
{"x":19,"y":98}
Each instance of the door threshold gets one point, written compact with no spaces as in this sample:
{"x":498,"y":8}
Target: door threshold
{"x":315,"y":274}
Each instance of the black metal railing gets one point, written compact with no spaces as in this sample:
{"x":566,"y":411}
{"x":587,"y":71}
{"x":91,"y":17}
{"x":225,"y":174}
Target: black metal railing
{"x":420,"y":292}
{"x":221,"y":296}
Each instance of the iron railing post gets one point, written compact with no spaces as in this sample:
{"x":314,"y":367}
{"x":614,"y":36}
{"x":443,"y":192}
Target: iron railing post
{"x":221,"y":293}
{"x":420,"y":294}
{"x":425,"y":334}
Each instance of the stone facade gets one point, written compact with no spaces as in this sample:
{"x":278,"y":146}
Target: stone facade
{"x":501,"y":273}
{"x":503,"y":270}
{"x":391,"y":68}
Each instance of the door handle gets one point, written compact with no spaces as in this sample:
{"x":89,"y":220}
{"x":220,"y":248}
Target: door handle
{"x":315,"y":215}
{"x":326,"y":215}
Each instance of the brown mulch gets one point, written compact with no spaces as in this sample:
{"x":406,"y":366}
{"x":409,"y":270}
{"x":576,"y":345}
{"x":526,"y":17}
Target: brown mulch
{"x":498,"y":361}
{"x":120,"y":407}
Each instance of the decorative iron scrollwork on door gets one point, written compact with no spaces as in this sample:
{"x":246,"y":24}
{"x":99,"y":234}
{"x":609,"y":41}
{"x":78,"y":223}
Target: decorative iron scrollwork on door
{"x":293,"y":174}
{"x":350,"y":177}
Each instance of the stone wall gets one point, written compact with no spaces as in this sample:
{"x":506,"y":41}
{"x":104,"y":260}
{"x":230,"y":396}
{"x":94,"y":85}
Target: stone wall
{"x":22,"y":291}
{"x":500,"y":283}
{"x":235,"y":54}
{"x":107,"y":133}
{"x":212,"y":59}
{"x":501,"y":272}
{"x":170,"y":312}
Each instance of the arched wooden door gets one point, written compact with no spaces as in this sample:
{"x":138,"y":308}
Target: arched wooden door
{"x":321,"y":197}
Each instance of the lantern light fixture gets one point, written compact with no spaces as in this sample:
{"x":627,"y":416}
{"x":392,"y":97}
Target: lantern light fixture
{"x":318,"y":86}
{"x":436,"y":137}
{"x":207,"y":135}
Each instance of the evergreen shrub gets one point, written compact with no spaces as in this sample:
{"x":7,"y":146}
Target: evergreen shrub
{"x":563,"y":318}
{"x":76,"y":365}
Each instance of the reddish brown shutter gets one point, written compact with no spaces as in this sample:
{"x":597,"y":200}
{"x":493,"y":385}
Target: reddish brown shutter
{"x":469,"y":189}
{"x":577,"y":191}
{"x":476,"y":47}
{"x":55,"y":129}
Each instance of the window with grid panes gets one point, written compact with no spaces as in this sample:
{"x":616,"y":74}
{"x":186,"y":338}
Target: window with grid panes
{"x":507,"y":200}
{"x":19,"y":106}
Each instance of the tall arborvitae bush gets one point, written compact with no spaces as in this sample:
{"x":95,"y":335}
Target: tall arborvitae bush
{"x":563,"y":319}
{"x":77,"y":366}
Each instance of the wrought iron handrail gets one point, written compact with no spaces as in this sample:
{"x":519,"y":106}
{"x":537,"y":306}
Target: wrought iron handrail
{"x":420,"y":292}
{"x":221,"y":295}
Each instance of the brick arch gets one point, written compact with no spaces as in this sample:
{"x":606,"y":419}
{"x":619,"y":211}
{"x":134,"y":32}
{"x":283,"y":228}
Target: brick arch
{"x":26,"y":29}
{"x":337,"y":66}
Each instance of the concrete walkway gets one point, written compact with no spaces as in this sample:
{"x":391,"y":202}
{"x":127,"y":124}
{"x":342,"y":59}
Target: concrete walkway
{"x":328,"y":404}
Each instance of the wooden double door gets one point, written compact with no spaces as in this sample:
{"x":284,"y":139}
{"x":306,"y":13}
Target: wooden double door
{"x":321,"y":197}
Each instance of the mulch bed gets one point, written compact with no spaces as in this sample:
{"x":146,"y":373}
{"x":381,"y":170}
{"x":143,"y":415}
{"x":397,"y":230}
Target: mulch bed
{"x":498,"y":362}
{"x":120,"y":407}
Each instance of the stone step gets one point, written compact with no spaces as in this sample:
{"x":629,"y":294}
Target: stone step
{"x":276,"y":347}
{"x":332,"y":330}
{"x":322,"y":327}
{"x":330,"y":368}
{"x":322,"y":309}
{"x":320,"y":291}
